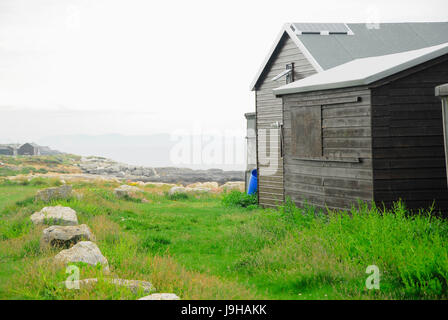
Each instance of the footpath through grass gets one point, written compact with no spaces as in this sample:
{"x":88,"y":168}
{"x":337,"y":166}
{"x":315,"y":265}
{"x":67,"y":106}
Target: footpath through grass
{"x":199,"y":248}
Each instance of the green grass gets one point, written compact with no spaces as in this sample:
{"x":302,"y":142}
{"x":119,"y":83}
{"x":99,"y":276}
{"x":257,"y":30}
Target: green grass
{"x":24,"y":165}
{"x":225,"y":247}
{"x":7,"y":171}
{"x":240,"y":199}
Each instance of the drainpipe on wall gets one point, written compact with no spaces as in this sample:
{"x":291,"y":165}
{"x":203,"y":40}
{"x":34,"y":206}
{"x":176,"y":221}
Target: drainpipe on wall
{"x":442,"y":92}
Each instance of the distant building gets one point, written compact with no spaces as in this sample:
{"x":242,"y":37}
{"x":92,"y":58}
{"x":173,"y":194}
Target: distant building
{"x":46,"y":151}
{"x":28,"y":149}
{"x":6,"y":150}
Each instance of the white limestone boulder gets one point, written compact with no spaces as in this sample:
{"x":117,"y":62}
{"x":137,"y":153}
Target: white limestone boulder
{"x":49,"y":194}
{"x":187,"y":190}
{"x":204,"y":185}
{"x":136,"y":286}
{"x":126,"y":191}
{"x":57,"y":215}
{"x":84,"y":251}
{"x":233,"y":185}
{"x":65,"y":236}
{"x":161,"y":296}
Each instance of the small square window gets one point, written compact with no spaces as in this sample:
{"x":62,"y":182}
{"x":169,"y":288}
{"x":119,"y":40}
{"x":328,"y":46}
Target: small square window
{"x":306,"y":132}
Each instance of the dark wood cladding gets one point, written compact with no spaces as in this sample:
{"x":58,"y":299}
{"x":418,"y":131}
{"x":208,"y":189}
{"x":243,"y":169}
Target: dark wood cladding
{"x":344,"y":172}
{"x":269,"y":111}
{"x":408,"y":146}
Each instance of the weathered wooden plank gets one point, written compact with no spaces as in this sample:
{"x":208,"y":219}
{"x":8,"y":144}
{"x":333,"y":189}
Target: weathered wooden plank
{"x":295,"y":187}
{"x":349,"y":193}
{"x":325,"y":95}
{"x":406,"y":132}
{"x":410,"y":184}
{"x":323,"y":201}
{"x":349,"y":173}
{"x":405,"y":113}
{"x":348,"y":184}
{"x":346,"y":122}
{"x":330,"y":162}
{"x":419,"y":195}
{"x":346,"y":132}
{"x":403,"y":142}
{"x":356,"y":111}
{"x":414,"y":173}
{"x":305,"y":179}
{"x":409,"y":163}
{"x":409,"y":99}
{"x":347,"y":142}
{"x":348,"y":152}
{"x":406,"y":123}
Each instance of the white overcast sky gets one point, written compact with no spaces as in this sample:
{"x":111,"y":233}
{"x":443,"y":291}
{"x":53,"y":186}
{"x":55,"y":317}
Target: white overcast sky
{"x":143,"y":67}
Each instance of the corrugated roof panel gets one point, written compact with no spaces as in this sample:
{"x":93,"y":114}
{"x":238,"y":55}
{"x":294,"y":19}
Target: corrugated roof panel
{"x":332,"y":53}
{"x":319,"y":27}
{"x":364,"y":71}
{"x":433,"y":33}
{"x":390,"y":38}
{"x":325,"y":52}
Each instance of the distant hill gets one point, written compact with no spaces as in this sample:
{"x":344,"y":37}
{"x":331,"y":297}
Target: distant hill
{"x":143,"y":150}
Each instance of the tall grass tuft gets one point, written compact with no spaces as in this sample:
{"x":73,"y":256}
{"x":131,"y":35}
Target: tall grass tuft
{"x":239,"y":199}
{"x":410,"y":250}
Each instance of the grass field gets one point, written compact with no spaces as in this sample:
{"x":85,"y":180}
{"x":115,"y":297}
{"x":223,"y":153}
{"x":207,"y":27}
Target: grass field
{"x":200,"y":247}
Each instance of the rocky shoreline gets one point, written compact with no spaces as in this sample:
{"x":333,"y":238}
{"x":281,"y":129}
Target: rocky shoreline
{"x":106,"y":167}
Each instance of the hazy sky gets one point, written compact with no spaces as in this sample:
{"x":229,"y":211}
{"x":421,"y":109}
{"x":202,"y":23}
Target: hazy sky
{"x":142,"y":67}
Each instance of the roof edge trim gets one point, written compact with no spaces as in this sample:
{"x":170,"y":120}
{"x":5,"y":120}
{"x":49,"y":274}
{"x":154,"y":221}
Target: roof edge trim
{"x":285,"y":29}
{"x":304,"y":50}
{"x":327,"y":86}
{"x":368,"y":80}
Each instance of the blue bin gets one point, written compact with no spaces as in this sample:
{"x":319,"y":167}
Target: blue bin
{"x":253,"y":183}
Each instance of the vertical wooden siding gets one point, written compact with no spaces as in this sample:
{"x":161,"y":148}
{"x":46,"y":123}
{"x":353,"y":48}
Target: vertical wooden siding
{"x":346,"y":134}
{"x":408,"y":146}
{"x":269,"y":110}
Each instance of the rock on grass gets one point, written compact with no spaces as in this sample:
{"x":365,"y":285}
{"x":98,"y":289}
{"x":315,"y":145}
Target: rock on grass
{"x":84,"y":251}
{"x":233,"y":185}
{"x":161,"y":296}
{"x":126,"y":191}
{"x":65,"y":236}
{"x":62,"y":192}
{"x":187,"y":190}
{"x":207,"y":185}
{"x":57,"y":215}
{"x":135,"y":286}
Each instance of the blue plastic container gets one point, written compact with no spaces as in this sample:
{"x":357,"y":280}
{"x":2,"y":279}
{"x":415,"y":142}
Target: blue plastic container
{"x":253,"y":183}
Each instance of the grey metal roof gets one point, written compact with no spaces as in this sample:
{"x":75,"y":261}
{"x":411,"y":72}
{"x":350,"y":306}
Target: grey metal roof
{"x":442,"y":91}
{"x":327,"y":51}
{"x":317,"y":28}
{"x":364,"y":71}
{"x":333,"y":50}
